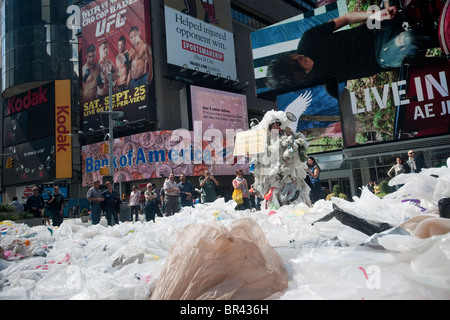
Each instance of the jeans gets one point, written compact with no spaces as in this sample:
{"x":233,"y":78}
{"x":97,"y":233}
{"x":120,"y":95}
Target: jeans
{"x":111,"y":215}
{"x":134,"y":210}
{"x":150,"y":211}
{"x":96,"y":213}
{"x":393,"y":43}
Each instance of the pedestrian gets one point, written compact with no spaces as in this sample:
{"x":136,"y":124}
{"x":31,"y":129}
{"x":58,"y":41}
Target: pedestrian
{"x":313,"y":174}
{"x":376,"y":187}
{"x":397,"y":168}
{"x":151,"y":198}
{"x":135,"y":207}
{"x":415,"y":163}
{"x":240,"y":183}
{"x":187,"y":191}
{"x":18,"y":206}
{"x":110,"y":197}
{"x":35,"y":203}
{"x":208,"y":185}
{"x":56,"y":206}
{"x":95,"y":198}
{"x":171,"y":192}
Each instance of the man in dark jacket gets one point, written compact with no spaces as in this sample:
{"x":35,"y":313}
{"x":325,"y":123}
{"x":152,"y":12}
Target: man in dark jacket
{"x":416,"y":164}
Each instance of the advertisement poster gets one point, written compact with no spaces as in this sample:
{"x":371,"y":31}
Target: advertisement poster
{"x":33,"y":162}
{"x":116,"y":40}
{"x":219,"y":115}
{"x":152,"y":155}
{"x":199,"y":35}
{"x":382,"y":97}
{"x":318,"y":117}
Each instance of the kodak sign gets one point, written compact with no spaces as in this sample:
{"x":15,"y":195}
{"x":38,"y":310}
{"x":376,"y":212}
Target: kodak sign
{"x":63,"y":125}
{"x":31,"y":99}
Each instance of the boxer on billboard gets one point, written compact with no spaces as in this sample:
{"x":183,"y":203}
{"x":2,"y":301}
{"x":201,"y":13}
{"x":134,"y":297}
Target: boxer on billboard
{"x":140,"y":60}
{"x":91,"y":74}
{"x":123,"y":66}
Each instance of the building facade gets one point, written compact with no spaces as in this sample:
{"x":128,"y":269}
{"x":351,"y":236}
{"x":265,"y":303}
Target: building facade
{"x":190,"y":56}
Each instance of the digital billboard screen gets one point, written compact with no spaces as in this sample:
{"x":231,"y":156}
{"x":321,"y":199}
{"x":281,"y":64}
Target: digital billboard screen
{"x":393,"y":81}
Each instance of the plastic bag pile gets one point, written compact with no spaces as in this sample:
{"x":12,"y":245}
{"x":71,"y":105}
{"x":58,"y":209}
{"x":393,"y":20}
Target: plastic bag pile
{"x":321,"y":260}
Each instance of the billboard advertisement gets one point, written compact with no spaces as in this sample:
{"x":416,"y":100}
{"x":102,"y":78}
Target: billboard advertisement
{"x":218,"y":115}
{"x":34,"y":161}
{"x":199,"y":35}
{"x":391,"y":80}
{"x":318,"y":117}
{"x":152,"y":155}
{"x":37,"y":125}
{"x":116,"y":40}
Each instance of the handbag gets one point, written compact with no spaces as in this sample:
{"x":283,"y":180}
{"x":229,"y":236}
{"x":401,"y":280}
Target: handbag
{"x":237,"y":196}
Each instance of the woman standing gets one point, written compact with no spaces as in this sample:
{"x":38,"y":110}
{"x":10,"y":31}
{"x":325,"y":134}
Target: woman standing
{"x":398,"y":168}
{"x":241,"y":184}
{"x":313,"y":173}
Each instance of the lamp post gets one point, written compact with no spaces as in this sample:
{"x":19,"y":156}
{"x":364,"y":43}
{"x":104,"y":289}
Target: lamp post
{"x":111,"y":128}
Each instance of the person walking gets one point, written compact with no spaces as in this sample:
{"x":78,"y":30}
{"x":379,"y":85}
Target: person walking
{"x":171,"y":192}
{"x":134,"y":205}
{"x":94,"y":196}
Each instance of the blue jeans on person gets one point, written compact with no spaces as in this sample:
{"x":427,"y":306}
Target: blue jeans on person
{"x":150,"y":210}
{"x":393,"y":43}
{"x":96,"y":213}
{"x":134,"y":210}
{"x":111,"y":215}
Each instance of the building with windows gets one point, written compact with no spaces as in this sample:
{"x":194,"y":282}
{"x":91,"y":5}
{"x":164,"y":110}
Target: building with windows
{"x":166,"y":66}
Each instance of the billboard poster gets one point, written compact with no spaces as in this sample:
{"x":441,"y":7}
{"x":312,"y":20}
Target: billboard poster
{"x":318,"y":117}
{"x":389,"y":89}
{"x":218,"y":115}
{"x":34,"y":161}
{"x":199,"y":35}
{"x":152,"y":155}
{"x":63,"y":127}
{"x":116,"y":40}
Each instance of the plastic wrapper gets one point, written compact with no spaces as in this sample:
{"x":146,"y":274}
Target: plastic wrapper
{"x":327,"y":260}
{"x":210,"y":262}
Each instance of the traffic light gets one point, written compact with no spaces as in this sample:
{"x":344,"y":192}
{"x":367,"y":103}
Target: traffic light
{"x":10,"y":163}
{"x":105,"y":147}
{"x":104,"y":171}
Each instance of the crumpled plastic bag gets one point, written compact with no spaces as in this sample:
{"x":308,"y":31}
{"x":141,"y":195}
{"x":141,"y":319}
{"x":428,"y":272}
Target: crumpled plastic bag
{"x":210,"y":262}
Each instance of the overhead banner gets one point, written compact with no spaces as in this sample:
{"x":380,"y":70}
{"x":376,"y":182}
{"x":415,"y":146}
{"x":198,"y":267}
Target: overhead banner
{"x":116,"y":39}
{"x":199,"y":35}
{"x":63,"y":127}
{"x":379,"y":96}
{"x":152,"y":155}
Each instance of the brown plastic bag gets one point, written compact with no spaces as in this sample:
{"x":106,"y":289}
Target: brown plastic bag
{"x":210,"y":262}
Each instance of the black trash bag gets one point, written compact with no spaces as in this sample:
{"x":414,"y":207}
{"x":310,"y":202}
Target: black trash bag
{"x":444,"y":208}
{"x":366,"y":227}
